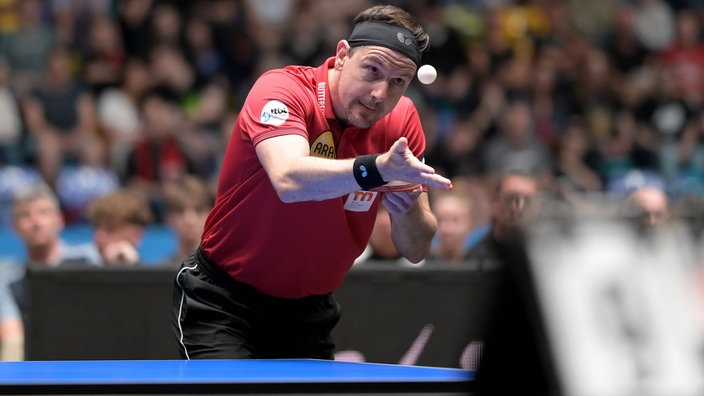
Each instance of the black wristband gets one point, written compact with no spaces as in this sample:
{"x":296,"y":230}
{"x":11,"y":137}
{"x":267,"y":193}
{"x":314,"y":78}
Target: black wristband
{"x":365,"y":172}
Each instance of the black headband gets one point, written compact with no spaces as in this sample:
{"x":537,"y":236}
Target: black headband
{"x":386,"y":35}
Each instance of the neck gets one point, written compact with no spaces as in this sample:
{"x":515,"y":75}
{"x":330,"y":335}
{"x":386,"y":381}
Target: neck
{"x":47,"y":255}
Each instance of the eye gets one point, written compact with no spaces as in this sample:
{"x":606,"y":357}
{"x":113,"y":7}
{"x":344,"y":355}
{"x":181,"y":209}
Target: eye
{"x":399,"y":82}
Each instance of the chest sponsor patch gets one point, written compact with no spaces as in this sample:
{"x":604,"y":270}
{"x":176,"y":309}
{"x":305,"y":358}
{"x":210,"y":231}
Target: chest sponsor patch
{"x":323,"y":146}
{"x":275,"y":112}
{"x":360,"y":201}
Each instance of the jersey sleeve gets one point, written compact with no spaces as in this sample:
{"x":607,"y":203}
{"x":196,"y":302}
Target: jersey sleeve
{"x":275,"y":106}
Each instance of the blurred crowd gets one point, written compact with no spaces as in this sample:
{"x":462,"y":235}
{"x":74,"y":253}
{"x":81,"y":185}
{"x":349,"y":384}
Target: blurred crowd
{"x":594,"y":97}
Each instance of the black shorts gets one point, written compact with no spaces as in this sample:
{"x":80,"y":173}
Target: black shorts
{"x":217,"y":317}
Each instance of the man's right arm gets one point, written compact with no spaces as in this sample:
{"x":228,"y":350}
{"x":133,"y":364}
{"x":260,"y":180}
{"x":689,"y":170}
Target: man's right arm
{"x":297,"y":176}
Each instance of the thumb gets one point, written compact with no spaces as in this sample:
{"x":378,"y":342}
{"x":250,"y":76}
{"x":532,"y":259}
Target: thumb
{"x":400,"y":146}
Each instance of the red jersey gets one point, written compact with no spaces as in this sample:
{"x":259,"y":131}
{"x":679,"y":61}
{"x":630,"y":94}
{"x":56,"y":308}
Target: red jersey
{"x":292,"y":250}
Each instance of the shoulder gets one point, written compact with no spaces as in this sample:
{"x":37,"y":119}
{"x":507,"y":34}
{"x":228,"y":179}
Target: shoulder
{"x":299,"y":78}
{"x":294,"y":87}
{"x":84,"y":252}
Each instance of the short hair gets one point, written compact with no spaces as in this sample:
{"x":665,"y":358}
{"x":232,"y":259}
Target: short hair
{"x":512,"y":172}
{"x":399,"y":17}
{"x":188,"y":190}
{"x":33,"y":192}
{"x":124,"y":206}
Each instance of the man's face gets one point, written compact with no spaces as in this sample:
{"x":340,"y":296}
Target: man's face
{"x":651,"y":207}
{"x":515,"y":201}
{"x":37,"y":222}
{"x":371,"y":81}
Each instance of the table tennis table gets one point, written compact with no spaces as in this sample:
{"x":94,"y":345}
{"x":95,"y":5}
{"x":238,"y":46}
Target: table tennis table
{"x":274,"y":376}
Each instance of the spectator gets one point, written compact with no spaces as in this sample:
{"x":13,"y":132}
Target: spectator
{"x":104,"y":56}
{"x":119,"y":220}
{"x":27,"y":48}
{"x":118,"y":110}
{"x":516,"y":146}
{"x":133,"y":18}
{"x":575,"y":172}
{"x":169,"y":67}
{"x":649,"y":206}
{"x":513,"y":203}
{"x":455,"y":223}
{"x":510,"y":343}
{"x":159,"y":155}
{"x":187,"y":203}
{"x":89,"y":178}
{"x":201,"y":52}
{"x":60,"y":116}
{"x":38,"y":221}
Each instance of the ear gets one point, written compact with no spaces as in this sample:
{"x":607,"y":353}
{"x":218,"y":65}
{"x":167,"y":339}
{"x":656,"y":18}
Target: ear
{"x":343,"y":52}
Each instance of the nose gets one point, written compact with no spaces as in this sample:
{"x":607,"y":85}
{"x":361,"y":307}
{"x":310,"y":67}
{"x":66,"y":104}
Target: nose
{"x":379,"y":91}
{"x":518,"y":202}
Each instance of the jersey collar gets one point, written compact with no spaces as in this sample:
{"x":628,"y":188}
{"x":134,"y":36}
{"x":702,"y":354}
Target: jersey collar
{"x":323,"y":89}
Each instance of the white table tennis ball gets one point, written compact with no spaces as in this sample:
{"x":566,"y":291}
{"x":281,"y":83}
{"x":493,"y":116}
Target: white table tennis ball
{"x":427,"y":74}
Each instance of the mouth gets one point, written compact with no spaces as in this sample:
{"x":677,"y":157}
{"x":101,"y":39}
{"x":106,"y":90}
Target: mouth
{"x":368,"y":107}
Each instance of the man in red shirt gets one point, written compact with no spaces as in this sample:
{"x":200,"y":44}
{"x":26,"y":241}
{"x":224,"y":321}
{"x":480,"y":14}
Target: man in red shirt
{"x":296,"y":198}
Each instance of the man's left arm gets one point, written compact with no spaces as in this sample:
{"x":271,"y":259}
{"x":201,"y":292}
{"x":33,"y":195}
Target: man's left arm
{"x":413,"y":224}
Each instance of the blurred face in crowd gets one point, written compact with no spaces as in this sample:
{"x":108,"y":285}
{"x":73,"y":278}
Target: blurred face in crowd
{"x":109,"y":233}
{"x":454,"y":220}
{"x":515,"y":201}
{"x":367,"y":82}
{"x":188,"y":221}
{"x":651,"y":206}
{"x":38,"y":222}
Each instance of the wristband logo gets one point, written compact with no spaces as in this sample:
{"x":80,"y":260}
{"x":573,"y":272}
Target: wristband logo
{"x":363,"y":170}
{"x":274,"y":113}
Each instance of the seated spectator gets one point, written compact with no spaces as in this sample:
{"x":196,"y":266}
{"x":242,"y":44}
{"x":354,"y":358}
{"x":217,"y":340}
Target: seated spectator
{"x":119,"y":220}
{"x":159,"y":155}
{"x":60,"y":116}
{"x":453,"y":211}
{"x":27,"y":46}
{"x":38,"y":221}
{"x":187,"y":203}
{"x":91,"y":177}
{"x":649,"y":206}
{"x":513,"y":204}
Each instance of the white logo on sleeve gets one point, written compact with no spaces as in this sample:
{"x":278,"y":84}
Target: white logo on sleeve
{"x":274,"y":112}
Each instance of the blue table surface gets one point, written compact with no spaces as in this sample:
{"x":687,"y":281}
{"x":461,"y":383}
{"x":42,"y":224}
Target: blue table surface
{"x":218,"y":371}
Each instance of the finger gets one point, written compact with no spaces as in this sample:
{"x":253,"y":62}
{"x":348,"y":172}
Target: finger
{"x":400,"y":146}
{"x":437,"y":181}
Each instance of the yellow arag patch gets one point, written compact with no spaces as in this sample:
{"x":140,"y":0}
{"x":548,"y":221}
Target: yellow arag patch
{"x":323,"y":146}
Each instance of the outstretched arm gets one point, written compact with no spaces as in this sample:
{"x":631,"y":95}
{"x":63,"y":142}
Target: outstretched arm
{"x":297,"y":176}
